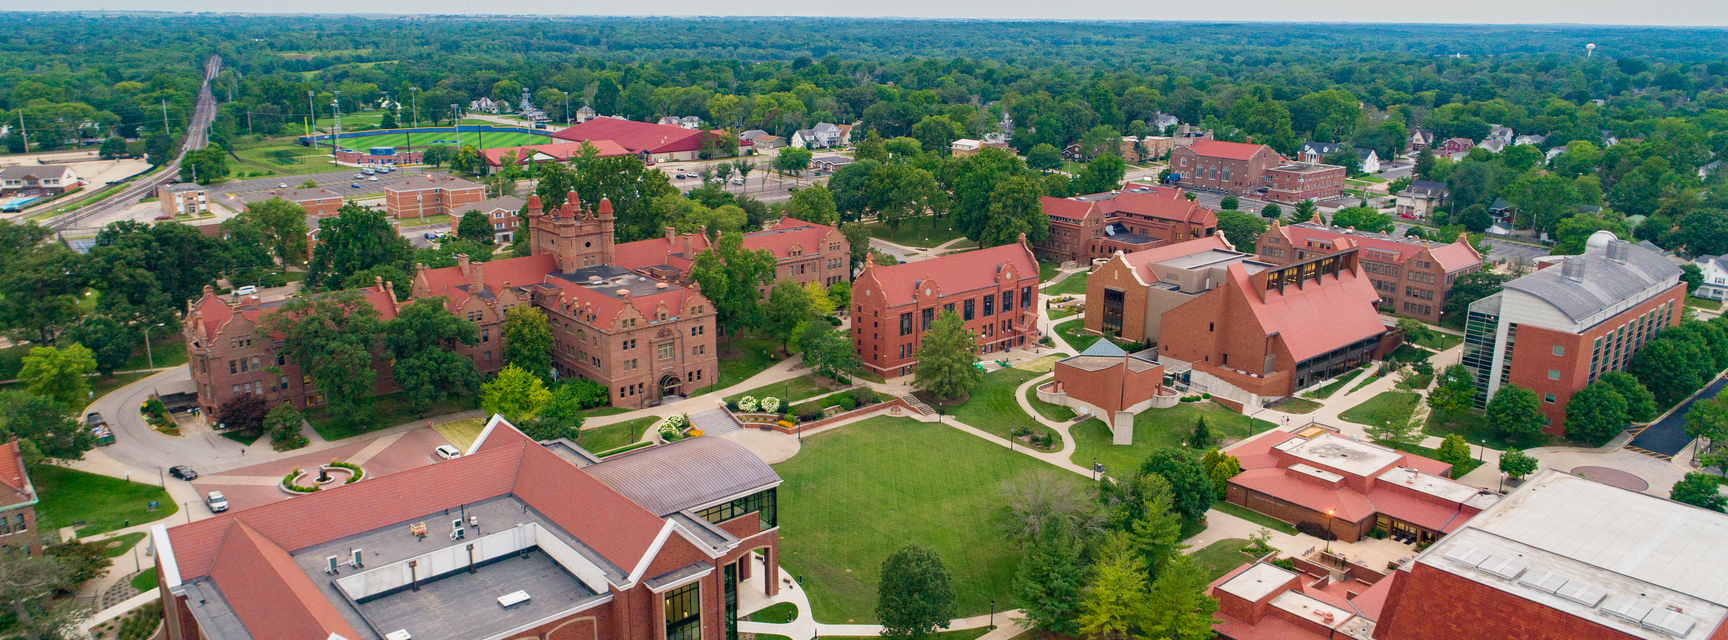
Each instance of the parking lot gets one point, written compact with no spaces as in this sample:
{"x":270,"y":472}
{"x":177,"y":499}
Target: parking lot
{"x":228,"y":194}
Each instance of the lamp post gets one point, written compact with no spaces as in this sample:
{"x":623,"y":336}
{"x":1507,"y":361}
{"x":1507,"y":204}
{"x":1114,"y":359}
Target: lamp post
{"x":311,"y":112}
{"x":1329,"y":531}
{"x":147,"y":354}
{"x":1251,"y":421}
{"x":1479,"y":449}
{"x":992,"y":614}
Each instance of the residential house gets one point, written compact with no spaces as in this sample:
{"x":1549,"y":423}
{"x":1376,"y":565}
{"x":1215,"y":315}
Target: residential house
{"x":1529,"y":139}
{"x":513,"y":539}
{"x":1456,"y":145}
{"x":188,"y":198}
{"x":1147,"y":149}
{"x":1421,"y":200}
{"x":768,"y":142}
{"x":827,"y":164}
{"x":431,"y":195}
{"x":964,"y":147}
{"x":501,"y":212}
{"x":488,"y":105}
{"x":1411,"y":277}
{"x":1092,"y":227}
{"x":585,"y":114}
{"x":1367,"y":160}
{"x":1560,"y":328}
{"x":18,"y":497}
{"x":1420,"y":139}
{"x":1316,"y":152}
{"x":992,"y":290}
{"x":1493,"y":145}
{"x":822,"y":135}
{"x":37,"y":180}
{"x":1715,"y":270}
{"x":1503,"y":134}
{"x":1164,"y":121}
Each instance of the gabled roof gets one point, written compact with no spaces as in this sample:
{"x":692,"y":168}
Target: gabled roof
{"x":291,"y":195}
{"x":1316,"y":317}
{"x":1159,"y":203}
{"x":636,"y":137}
{"x":512,"y":204}
{"x":787,"y":233}
{"x":34,"y":172}
{"x":268,"y":592}
{"x":1452,"y":257}
{"x":1227,"y":150}
{"x":1425,"y":188}
{"x":15,"y":487}
{"x":211,"y":313}
{"x":953,"y":274}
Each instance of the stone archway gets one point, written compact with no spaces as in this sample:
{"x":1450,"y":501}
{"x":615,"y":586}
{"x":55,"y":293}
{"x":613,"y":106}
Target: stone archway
{"x":671,"y":385}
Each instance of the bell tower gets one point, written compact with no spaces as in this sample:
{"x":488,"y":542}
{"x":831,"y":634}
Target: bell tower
{"x":576,"y":238}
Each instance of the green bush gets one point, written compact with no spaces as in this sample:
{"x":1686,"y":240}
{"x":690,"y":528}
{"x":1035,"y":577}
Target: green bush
{"x":288,"y":483}
{"x":863,"y":397}
{"x":807,"y":412}
{"x":847,"y":403}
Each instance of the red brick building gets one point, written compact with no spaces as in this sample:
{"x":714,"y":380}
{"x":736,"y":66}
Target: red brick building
{"x":651,"y":142}
{"x":188,"y":198}
{"x":17,"y":496}
{"x":1112,"y":384}
{"x":515,"y":539}
{"x":1564,"y":557}
{"x":1084,"y":228}
{"x":1132,"y":291}
{"x":1293,"y":182}
{"x":1412,"y":277}
{"x":431,"y":195}
{"x":994,"y":291}
{"x":1560,"y":328}
{"x":805,"y":252}
{"x":554,"y":152}
{"x":322,"y":203}
{"x":503,"y":213}
{"x":1231,"y":167}
{"x":1263,"y":601}
{"x":1351,"y":487}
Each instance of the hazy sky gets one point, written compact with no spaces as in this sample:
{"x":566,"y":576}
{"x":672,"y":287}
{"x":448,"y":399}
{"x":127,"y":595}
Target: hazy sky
{"x":1605,"y":12}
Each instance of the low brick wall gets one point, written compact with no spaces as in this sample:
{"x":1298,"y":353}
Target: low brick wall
{"x":806,"y":426}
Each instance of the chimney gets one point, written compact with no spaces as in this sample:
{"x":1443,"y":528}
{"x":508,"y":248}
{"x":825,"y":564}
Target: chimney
{"x":1619,"y":250}
{"x":1573,"y":268}
{"x":478,"y":284}
{"x":670,"y":234}
{"x":390,"y":287}
{"x":687,"y":254}
{"x":462,"y":262}
{"x":378,"y":281}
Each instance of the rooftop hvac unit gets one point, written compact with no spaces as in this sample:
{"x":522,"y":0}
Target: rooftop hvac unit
{"x":399,"y":634}
{"x":330,"y":564}
{"x":354,"y":558}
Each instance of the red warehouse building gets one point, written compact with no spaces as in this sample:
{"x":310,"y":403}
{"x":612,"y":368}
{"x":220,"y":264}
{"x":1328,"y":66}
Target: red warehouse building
{"x":992,"y":290}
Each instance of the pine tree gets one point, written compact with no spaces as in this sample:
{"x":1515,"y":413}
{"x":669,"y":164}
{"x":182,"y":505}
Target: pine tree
{"x":1202,"y":436}
{"x":1047,"y":586}
{"x":945,"y":359}
{"x":1177,"y":606}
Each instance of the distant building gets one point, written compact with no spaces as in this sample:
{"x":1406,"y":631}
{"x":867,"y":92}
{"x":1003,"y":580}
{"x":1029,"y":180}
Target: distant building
{"x":994,"y":291}
{"x":1150,"y":148}
{"x":585,"y":114}
{"x":1715,"y":270}
{"x":1420,"y":200}
{"x":37,"y":180}
{"x":18,"y":497}
{"x":502,"y":212}
{"x":1560,"y":328}
{"x":1456,"y":145}
{"x":187,"y":198}
{"x":1111,"y":384}
{"x":317,"y":202}
{"x":1293,"y":182}
{"x":822,"y":135}
{"x":378,"y":156}
{"x":1367,"y":160}
{"x":1316,"y":152}
{"x":431,"y":195}
{"x":555,"y":152}
{"x":1420,"y":139}
{"x":964,"y":147}
{"x":1411,"y":277}
{"x":649,"y":141}
{"x":805,"y":252}
{"x":1231,"y":167}
{"x":1565,"y":557}
{"x":1502,"y":134}
{"x":1084,"y":228}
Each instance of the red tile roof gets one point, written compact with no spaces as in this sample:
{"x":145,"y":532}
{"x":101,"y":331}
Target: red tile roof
{"x":1161,"y":203}
{"x":1416,"y":510}
{"x":1346,"y":503}
{"x":560,"y":151}
{"x":636,"y":137}
{"x":1316,"y":317}
{"x":1141,"y":261}
{"x":953,"y":274}
{"x":1452,"y":257}
{"x":269,"y":593}
{"x":12,"y":475}
{"x":787,"y":233}
{"x":1371,"y":602}
{"x":213,"y":313}
{"x":1229,"y":150}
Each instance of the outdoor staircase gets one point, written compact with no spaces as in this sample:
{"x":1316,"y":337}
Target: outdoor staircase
{"x":715,"y":422}
{"x":917,"y":405}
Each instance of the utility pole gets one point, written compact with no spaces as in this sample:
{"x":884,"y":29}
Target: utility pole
{"x":26,"y":134}
{"x":416,"y":92}
{"x":456,"y":119}
{"x":248,"y":122}
{"x":312,"y":129}
{"x":336,"y":111}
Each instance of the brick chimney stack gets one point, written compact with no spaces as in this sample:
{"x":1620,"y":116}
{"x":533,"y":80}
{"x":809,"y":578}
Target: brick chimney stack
{"x":462,"y":263}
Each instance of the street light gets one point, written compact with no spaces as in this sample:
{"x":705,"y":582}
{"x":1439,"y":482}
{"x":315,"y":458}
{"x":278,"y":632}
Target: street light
{"x":147,"y":353}
{"x":416,"y":92}
{"x":1330,"y":535}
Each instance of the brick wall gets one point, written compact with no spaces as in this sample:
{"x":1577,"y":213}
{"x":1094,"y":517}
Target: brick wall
{"x":1430,"y":604}
{"x":1533,"y":355}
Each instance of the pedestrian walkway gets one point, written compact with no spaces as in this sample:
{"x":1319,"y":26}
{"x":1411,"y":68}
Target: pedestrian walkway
{"x":715,"y":422}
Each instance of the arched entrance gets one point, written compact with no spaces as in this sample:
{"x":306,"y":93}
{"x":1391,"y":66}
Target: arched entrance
{"x":671,"y":385}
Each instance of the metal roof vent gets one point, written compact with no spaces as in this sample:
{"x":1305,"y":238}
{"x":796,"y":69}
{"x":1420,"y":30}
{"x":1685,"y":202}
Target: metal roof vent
{"x":1544,"y":581}
{"x":1581,"y":592}
{"x":1466,"y":555}
{"x":1670,"y":622}
{"x":593,"y":278}
{"x":1503,"y":567}
{"x":1619,"y":250}
{"x":1626,"y":608}
{"x":1572,"y":268}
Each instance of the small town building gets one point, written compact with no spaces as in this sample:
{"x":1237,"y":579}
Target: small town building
{"x":431,"y":195}
{"x":1715,"y":272}
{"x":994,"y":291}
{"x":317,"y":202}
{"x":1412,"y":277}
{"x":18,"y":497}
{"x":1421,"y":200}
{"x":651,"y":142}
{"x":805,"y":252}
{"x":37,"y":180}
{"x":1135,"y":218}
{"x":379,"y":156}
{"x":1108,"y":382}
{"x":186,"y":198}
{"x":501,"y":212}
{"x":1293,"y":182}
{"x":553,"y":152}
{"x":964,"y":147}
{"x":1558,"y":329}
{"x":1230,"y":167}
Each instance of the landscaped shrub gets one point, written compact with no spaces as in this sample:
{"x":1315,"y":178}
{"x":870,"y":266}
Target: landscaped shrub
{"x":785,"y":423}
{"x":807,"y":411}
{"x":1284,"y":563}
{"x":1316,"y":530}
{"x":288,"y":483}
{"x":352,"y":478}
{"x":847,"y":403}
{"x":770,"y":404}
{"x":864,"y":397}
{"x":748,"y":404}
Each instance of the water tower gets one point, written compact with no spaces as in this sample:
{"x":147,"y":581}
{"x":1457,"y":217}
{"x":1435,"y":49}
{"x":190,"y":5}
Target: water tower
{"x":1589,"y":49}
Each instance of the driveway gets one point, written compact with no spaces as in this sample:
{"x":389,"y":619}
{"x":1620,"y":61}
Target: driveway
{"x":1667,"y":436}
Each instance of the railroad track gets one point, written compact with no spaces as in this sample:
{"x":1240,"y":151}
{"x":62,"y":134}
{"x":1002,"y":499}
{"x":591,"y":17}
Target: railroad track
{"x":197,"y":136}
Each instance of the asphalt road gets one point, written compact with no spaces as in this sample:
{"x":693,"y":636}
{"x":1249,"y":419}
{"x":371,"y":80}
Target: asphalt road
{"x":1668,"y":435}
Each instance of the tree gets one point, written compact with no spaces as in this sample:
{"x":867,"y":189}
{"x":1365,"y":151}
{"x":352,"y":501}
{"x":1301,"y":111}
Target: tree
{"x":528,"y":341}
{"x":1239,"y":228}
{"x":27,"y":584}
{"x":1220,"y":467}
{"x":1014,"y":210}
{"x":1113,"y":602}
{"x":1157,"y":534}
{"x":857,"y":237}
{"x":1229,"y":203}
{"x":1044,"y":157}
{"x":516,"y":394}
{"x":1456,"y":390}
{"x":871,"y":148}
{"x":1455,"y":451}
{"x":282,"y":225}
{"x":1473,"y":286}
{"x":109,"y":340}
{"x":840,"y":295}
{"x":1362,"y":219}
{"x":788,"y":306}
{"x":1699,"y":490}
{"x":1640,"y":403}
{"x":243,"y":413}
{"x":1190,"y":486}
{"x":1047,"y":584}
{"x":915,"y":596}
{"x":1475,"y":218}
{"x":421,"y":340}
{"x":112,"y":147}
{"x":1692,"y":276}
{"x":356,"y":239}
{"x":388,"y":120}
{"x":1596,"y":414}
{"x":1201,"y":436}
{"x":1271,"y":211}
{"x":204,"y":166}
{"x":792,"y":160}
{"x":1101,"y":175}
{"x":284,"y":423}
{"x":1515,"y":413}
{"x":561,"y":415}
{"x":1100,"y":141}
{"x":813,"y":204}
{"x":730,"y":276}
{"x":902,"y":147}
{"x":475,"y":227}
{"x":438,"y":154}
{"x":945,"y":359}
{"x":1669,"y":368}
{"x":50,"y":428}
{"x":1177,"y":605}
{"x":332,"y":338}
{"x":1304,"y":211}
{"x":59,"y":373}
{"x":1515,"y":464}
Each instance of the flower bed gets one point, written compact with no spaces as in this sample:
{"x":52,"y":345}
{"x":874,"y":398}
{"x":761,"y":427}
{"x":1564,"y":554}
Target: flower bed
{"x":156,"y":414}
{"x":353,"y":473}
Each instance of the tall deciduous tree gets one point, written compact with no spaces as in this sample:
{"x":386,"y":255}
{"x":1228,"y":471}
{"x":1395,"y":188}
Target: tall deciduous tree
{"x":729,"y":276}
{"x":561,"y":415}
{"x":1014,"y":210}
{"x":49,"y":427}
{"x":1044,"y":157}
{"x":813,"y":204}
{"x":283,"y":225}
{"x":1699,"y":490}
{"x":1596,"y":414}
{"x":355,"y":240}
{"x":1516,"y":464}
{"x":58,"y":373}
{"x":788,"y":306}
{"x":1191,"y":489}
{"x":332,"y":338}
{"x":1103,"y":174}
{"x":422,"y":339}
{"x":1177,"y":605}
{"x":109,"y":340}
{"x":1640,"y":403}
{"x":528,"y":340}
{"x":1457,"y":388}
{"x":475,"y":227}
{"x":1362,"y":219}
{"x":916,"y":594}
{"x":945,"y":359}
{"x":1516,"y":413}
{"x":244,"y":413}
{"x":827,"y":350}
{"x":1048,"y":581}
{"x":515,"y":394}
{"x":1115,"y":600}
{"x":1455,"y":451}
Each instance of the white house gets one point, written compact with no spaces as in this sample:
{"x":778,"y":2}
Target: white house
{"x":1370,"y":160}
{"x":1503,"y":134}
{"x":821,"y":136}
{"x":1715,"y":270}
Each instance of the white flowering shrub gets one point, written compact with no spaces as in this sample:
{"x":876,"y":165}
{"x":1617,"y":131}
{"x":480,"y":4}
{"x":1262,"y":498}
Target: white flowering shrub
{"x":747,"y":403}
{"x":771,"y":405}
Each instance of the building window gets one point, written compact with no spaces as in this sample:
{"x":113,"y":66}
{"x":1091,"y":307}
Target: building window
{"x":485,"y":335}
{"x":926,"y":317}
{"x":1553,"y":374}
{"x":969,"y":306}
{"x":1559,"y":350}
{"x":1548,"y":398}
{"x":1113,"y":303}
{"x":906,"y":324}
{"x":1025,"y":297}
{"x":763,"y":503}
{"x":684,"y":613}
{"x":666,"y":351}
{"x":1007,"y":301}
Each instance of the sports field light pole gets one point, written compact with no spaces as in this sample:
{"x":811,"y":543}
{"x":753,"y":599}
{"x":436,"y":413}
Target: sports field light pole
{"x":416,"y":92}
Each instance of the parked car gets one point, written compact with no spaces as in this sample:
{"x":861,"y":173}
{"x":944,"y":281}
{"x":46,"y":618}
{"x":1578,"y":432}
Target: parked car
{"x":217,"y":502}
{"x":355,"y":185}
{"x":246,"y":290}
{"x":183,"y":472}
{"x":358,"y":176}
{"x":164,"y":217}
{"x":95,"y":419}
{"x":737,"y":181}
{"x":447,"y":452}
{"x":373,"y":178}
{"x":283,"y":185}
{"x":430,"y":235}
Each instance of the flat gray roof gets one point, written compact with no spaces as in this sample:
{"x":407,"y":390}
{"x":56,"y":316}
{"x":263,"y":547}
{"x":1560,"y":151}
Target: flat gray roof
{"x":1210,"y":257}
{"x":608,"y":279}
{"x":1257,"y":582}
{"x":1344,"y":454}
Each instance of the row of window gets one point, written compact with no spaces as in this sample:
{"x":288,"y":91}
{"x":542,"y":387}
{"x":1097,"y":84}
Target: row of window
{"x":763,"y":502}
{"x":16,"y":525}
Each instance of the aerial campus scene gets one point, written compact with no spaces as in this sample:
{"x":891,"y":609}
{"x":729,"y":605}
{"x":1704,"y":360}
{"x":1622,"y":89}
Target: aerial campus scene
{"x":946,"y":320}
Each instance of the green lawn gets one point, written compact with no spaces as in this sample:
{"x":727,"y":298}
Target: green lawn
{"x":145,"y":581}
{"x":1417,"y":382}
{"x":172,"y":354}
{"x":282,"y":158}
{"x":992,"y":407}
{"x":387,"y":411}
{"x":1058,"y":314}
{"x":755,"y":355}
{"x":1254,"y":516}
{"x":1073,"y":285}
{"x":1222,"y":557}
{"x":603,"y":411}
{"x":1156,"y":428}
{"x":612,"y":436}
{"x":118,"y":545}
{"x":958,"y":634}
{"x":1704,"y":304}
{"x":105,"y":386}
{"x":1365,"y":381}
{"x":919,"y":232}
{"x":1473,"y":425}
{"x":244,"y":439}
{"x":776,"y":613}
{"x":461,"y":433}
{"x":1296,"y":405}
{"x":95,"y":503}
{"x":855,"y":494}
{"x":1047,"y":270}
{"x":1055,"y":412}
{"x":1074,"y":331}
{"x":1439,"y":341}
{"x":788,"y":392}
{"x":1332,"y":387}
{"x":1386,"y":408}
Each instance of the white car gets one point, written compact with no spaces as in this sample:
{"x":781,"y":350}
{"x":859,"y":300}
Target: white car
{"x":373,"y":178}
{"x":246,"y":290}
{"x":217,"y":502}
{"x":447,"y":452}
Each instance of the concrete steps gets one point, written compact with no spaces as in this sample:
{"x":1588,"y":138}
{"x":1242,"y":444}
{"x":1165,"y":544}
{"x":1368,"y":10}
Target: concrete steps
{"x":715,"y":422}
